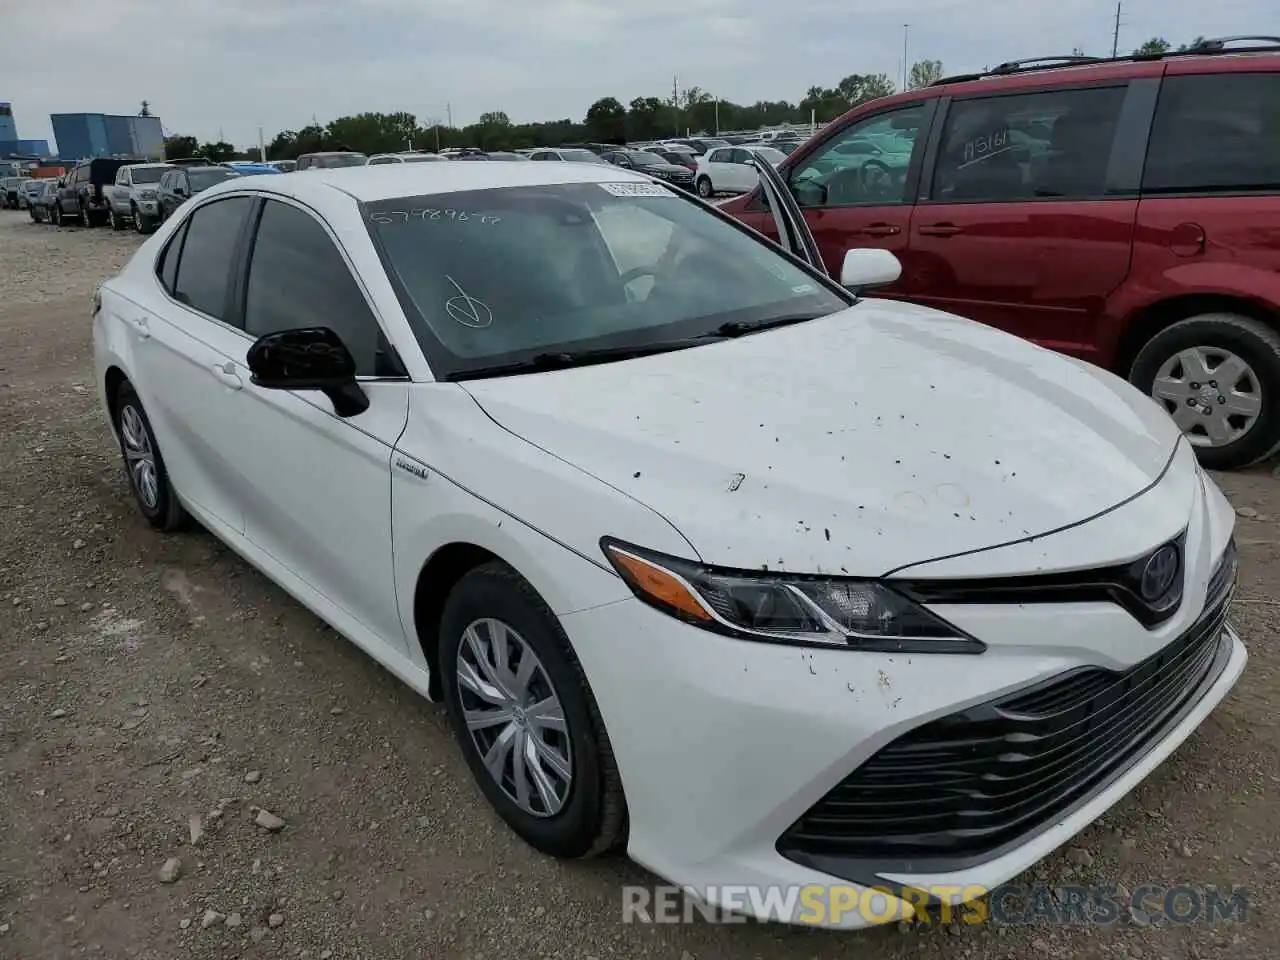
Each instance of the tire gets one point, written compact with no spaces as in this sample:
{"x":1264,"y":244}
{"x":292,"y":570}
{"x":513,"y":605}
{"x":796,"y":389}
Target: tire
{"x":156,"y":499}
{"x":1216,"y":336}
{"x":114,"y":220}
{"x":705,"y":190}
{"x":86,"y":219}
{"x":592,"y":818}
{"x":55,"y":214}
{"x":140,"y":222}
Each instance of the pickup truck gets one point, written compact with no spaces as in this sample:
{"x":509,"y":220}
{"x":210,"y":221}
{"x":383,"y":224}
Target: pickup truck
{"x":134,"y":197}
{"x":81,"y":194}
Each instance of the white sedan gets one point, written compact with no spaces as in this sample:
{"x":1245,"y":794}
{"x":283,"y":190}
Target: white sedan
{"x":732,"y":169}
{"x":707,"y":555}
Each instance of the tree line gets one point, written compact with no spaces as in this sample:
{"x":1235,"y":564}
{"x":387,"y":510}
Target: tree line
{"x":694,"y":111}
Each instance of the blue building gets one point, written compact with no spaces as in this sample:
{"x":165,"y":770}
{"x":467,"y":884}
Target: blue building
{"x":83,"y":135}
{"x":10,"y":145}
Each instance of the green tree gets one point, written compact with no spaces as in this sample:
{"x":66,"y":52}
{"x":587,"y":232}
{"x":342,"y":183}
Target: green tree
{"x":495,"y":118}
{"x":606,"y":120}
{"x":1153,"y":47}
{"x":177,"y":147}
{"x":1192,"y":45}
{"x":218,"y":151}
{"x":923,"y":73}
{"x":875,"y":86}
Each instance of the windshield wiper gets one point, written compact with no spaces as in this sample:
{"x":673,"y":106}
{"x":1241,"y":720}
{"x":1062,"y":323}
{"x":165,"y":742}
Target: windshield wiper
{"x":737,"y":328}
{"x":560,"y":360}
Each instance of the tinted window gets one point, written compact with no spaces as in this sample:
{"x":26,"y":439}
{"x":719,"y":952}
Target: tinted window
{"x":1054,"y":144}
{"x":487,"y":276}
{"x":580,"y":156}
{"x":377,"y":161}
{"x":641,"y":159}
{"x":832,"y":177}
{"x":341,"y":160}
{"x":205,"y":267}
{"x":1215,"y":134}
{"x":203,"y":179}
{"x":167,"y":266}
{"x":147,"y":174}
{"x":298,"y":278}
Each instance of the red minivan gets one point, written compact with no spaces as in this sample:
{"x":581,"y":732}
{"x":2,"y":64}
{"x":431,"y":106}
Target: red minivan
{"x":1123,"y":211}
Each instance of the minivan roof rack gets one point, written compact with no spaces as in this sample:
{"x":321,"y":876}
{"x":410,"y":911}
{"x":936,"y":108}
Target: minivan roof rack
{"x":1203,"y":47}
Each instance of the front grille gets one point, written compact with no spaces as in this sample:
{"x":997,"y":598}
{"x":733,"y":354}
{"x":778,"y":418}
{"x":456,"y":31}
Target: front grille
{"x":962,"y":788}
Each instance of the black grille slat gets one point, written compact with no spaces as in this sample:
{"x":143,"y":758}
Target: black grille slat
{"x":969,"y":783}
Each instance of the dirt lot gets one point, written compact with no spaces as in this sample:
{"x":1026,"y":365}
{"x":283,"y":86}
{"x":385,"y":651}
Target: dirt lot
{"x":148,"y":679}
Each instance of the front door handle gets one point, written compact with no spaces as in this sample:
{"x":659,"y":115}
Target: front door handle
{"x":939,"y":230}
{"x":880,"y":230}
{"x":226,"y":373}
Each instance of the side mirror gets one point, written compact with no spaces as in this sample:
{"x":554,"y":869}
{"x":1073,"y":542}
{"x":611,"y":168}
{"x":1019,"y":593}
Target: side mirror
{"x":864,"y":267}
{"x":809,"y":193}
{"x":308,"y":358}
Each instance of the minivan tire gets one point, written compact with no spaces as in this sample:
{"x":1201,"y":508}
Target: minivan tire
{"x":1254,"y":342}
{"x":592,"y":819}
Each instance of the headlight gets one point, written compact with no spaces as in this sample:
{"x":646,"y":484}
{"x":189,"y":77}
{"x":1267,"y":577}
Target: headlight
{"x":806,"y":610}
{"x":147,"y":195}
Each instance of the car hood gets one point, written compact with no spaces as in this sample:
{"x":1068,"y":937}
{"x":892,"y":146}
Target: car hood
{"x":880,"y":436}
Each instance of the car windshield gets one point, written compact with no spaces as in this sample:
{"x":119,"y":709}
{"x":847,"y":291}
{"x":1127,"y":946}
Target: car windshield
{"x":148,"y":174}
{"x":499,"y":276}
{"x":582,"y":156}
{"x":421,"y":158}
{"x":203,"y":179}
{"x":642,"y":158}
{"x":343,"y":160}
{"x":770,"y":154}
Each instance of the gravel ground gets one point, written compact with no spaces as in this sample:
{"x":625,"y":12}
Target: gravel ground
{"x":149,"y":680}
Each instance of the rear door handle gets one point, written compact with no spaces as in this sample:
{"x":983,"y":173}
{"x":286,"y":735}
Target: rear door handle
{"x":142,"y":326}
{"x":226,"y":373}
{"x":939,"y":230}
{"x":880,"y":230}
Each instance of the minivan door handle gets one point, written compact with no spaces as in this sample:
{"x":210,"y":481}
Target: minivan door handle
{"x":939,"y":230}
{"x":880,"y":230}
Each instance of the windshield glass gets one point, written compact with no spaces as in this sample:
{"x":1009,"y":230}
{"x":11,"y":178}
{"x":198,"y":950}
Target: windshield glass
{"x":770,"y":154}
{"x":421,"y":158}
{"x":582,"y":156}
{"x":148,"y":174}
{"x":642,"y":158}
{"x":202,"y":179}
{"x":496,"y":276}
{"x":343,"y":160}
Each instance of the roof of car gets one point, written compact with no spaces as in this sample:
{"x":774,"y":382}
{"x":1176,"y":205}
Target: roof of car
{"x":387,"y":181}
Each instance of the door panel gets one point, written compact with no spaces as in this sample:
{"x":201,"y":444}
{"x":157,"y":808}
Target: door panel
{"x":1028,"y":224}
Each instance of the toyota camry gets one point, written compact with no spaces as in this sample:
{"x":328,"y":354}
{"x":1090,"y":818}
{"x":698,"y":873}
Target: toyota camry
{"x":710,"y":556}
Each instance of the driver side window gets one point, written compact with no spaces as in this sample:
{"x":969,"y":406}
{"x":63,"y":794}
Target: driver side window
{"x":865,"y":163}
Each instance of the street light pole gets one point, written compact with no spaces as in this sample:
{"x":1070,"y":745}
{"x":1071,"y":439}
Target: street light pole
{"x":906,"y":30}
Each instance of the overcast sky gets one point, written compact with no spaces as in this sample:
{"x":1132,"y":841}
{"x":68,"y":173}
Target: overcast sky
{"x":231,"y":65}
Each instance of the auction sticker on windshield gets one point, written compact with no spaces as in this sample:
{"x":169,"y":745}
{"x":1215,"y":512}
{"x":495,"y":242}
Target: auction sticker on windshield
{"x":636,"y":189}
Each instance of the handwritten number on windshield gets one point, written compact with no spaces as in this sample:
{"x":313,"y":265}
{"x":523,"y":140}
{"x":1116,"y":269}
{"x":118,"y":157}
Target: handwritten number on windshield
{"x":428,"y":213}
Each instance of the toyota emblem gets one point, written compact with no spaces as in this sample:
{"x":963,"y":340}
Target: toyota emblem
{"x":1159,"y":574}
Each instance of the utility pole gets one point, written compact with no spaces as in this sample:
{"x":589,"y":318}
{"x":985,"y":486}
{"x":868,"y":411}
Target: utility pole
{"x":262,"y":147}
{"x":906,"y":30}
{"x":448,"y":109}
{"x":675,"y":100}
{"x":1115,"y":36}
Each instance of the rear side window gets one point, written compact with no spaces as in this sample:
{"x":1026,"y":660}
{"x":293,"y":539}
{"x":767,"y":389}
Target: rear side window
{"x":1215,"y":134}
{"x":204,"y":270}
{"x":1049,"y":145}
{"x":167,"y":267}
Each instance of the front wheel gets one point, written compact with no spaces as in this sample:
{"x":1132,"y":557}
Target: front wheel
{"x":1218,"y":376}
{"x":705,"y":190}
{"x":55,"y":217}
{"x":114,"y":219}
{"x":529,"y":726}
{"x":148,"y":478}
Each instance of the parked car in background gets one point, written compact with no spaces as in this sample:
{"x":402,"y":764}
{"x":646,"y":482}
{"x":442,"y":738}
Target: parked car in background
{"x":568,"y":154}
{"x":519,"y":462}
{"x":11,"y":192}
{"x":505,"y":155}
{"x":250,"y":168}
{"x":730,"y":170}
{"x":1125,"y":212}
{"x":181,"y":184}
{"x":41,"y":200}
{"x":191,"y":162}
{"x":379,"y":159}
{"x":284,"y":166}
{"x":134,"y":197}
{"x":653,"y":165}
{"x":701,"y":145}
{"x":30,"y":187}
{"x":82,"y":193}
{"x":332,"y":159}
{"x":681,"y":158}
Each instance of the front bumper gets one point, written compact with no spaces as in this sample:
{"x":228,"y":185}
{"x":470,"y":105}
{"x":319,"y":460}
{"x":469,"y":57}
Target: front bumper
{"x":148,"y":208}
{"x":724,"y":745}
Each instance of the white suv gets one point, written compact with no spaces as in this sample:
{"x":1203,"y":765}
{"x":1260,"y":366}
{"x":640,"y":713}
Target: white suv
{"x":135,"y":197}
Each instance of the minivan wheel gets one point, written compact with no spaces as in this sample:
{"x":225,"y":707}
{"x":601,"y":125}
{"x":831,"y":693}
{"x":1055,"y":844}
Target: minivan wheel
{"x":528,"y":724}
{"x":143,"y":464}
{"x":705,"y":189}
{"x":1218,"y":376}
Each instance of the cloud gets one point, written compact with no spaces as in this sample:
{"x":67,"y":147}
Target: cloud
{"x":232,"y":65}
